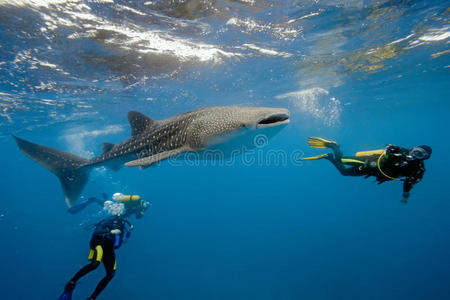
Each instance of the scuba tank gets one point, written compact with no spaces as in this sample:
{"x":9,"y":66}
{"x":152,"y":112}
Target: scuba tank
{"x":119,"y":197}
{"x":133,"y":204}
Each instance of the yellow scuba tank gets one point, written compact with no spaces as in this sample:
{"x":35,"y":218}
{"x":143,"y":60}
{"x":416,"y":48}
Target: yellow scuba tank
{"x":119,"y":197}
{"x":370,"y":152}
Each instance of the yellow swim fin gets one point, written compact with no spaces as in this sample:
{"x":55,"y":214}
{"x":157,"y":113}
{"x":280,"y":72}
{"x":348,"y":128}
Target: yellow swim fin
{"x":321,"y":143}
{"x":315,"y":157}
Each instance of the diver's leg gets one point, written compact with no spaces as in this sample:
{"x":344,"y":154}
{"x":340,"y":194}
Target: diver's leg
{"x":79,"y":207}
{"x":337,"y":151}
{"x":95,"y":256}
{"x":351,"y":171}
{"x":96,"y":200}
{"x":83,"y":271}
{"x":109,"y":261}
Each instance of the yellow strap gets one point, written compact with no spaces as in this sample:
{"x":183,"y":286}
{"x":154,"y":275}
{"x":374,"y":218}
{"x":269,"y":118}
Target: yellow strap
{"x":99,"y":251}
{"x":381,"y":171}
{"x":115,"y":265}
{"x":350,"y":160}
{"x":91,"y":254}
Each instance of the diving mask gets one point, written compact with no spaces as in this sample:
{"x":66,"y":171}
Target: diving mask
{"x":146,"y":204}
{"x":419,"y":153}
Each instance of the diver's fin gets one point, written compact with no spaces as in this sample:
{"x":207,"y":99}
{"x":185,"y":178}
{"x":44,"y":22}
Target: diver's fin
{"x":106,"y":147}
{"x":326,"y":155}
{"x":148,"y":160}
{"x":368,"y":153}
{"x":74,"y":209}
{"x":321,"y":143}
{"x":66,"y":166}
{"x":67,"y":295}
{"x":139,"y":122}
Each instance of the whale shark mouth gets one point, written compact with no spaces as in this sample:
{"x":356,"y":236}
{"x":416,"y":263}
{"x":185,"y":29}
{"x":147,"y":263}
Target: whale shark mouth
{"x":273,"y":120}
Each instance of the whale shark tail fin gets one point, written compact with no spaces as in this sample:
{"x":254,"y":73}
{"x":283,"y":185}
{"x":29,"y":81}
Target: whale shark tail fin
{"x":71,"y":170}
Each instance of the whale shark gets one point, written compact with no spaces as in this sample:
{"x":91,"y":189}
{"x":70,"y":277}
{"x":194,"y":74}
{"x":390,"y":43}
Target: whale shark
{"x":152,"y":141}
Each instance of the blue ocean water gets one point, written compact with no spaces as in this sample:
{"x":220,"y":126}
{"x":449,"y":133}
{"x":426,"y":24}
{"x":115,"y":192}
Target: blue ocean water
{"x":364,"y":73}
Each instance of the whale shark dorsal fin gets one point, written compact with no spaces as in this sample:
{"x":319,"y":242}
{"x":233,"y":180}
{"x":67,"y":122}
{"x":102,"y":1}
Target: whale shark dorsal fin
{"x":106,"y":147}
{"x":149,"y":160}
{"x":139,"y":122}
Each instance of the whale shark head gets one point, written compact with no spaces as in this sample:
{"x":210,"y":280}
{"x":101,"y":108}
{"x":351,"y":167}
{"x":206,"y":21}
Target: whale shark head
{"x":218,"y":125}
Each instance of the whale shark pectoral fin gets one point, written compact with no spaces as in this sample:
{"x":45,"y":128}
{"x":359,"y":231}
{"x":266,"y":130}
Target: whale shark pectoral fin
{"x":148,"y":160}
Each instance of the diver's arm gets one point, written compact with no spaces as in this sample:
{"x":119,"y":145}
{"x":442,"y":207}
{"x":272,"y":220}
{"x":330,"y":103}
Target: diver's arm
{"x":410,"y":181}
{"x":128,"y":223}
{"x":128,"y":230}
{"x":407,"y":187}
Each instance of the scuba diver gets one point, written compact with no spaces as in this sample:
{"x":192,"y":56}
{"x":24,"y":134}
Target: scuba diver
{"x":391,"y":163}
{"x":133,"y":204}
{"x":109,"y":234}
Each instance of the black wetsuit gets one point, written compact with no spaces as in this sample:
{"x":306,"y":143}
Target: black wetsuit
{"x":102,"y":244}
{"x":395,"y":164}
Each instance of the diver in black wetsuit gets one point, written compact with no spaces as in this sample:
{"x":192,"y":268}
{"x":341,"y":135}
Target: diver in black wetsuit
{"x":109,"y":234}
{"x":391,"y":163}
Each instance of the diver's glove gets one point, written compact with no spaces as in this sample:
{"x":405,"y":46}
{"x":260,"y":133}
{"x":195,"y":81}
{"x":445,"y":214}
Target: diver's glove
{"x":405,"y":197}
{"x":128,"y":234}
